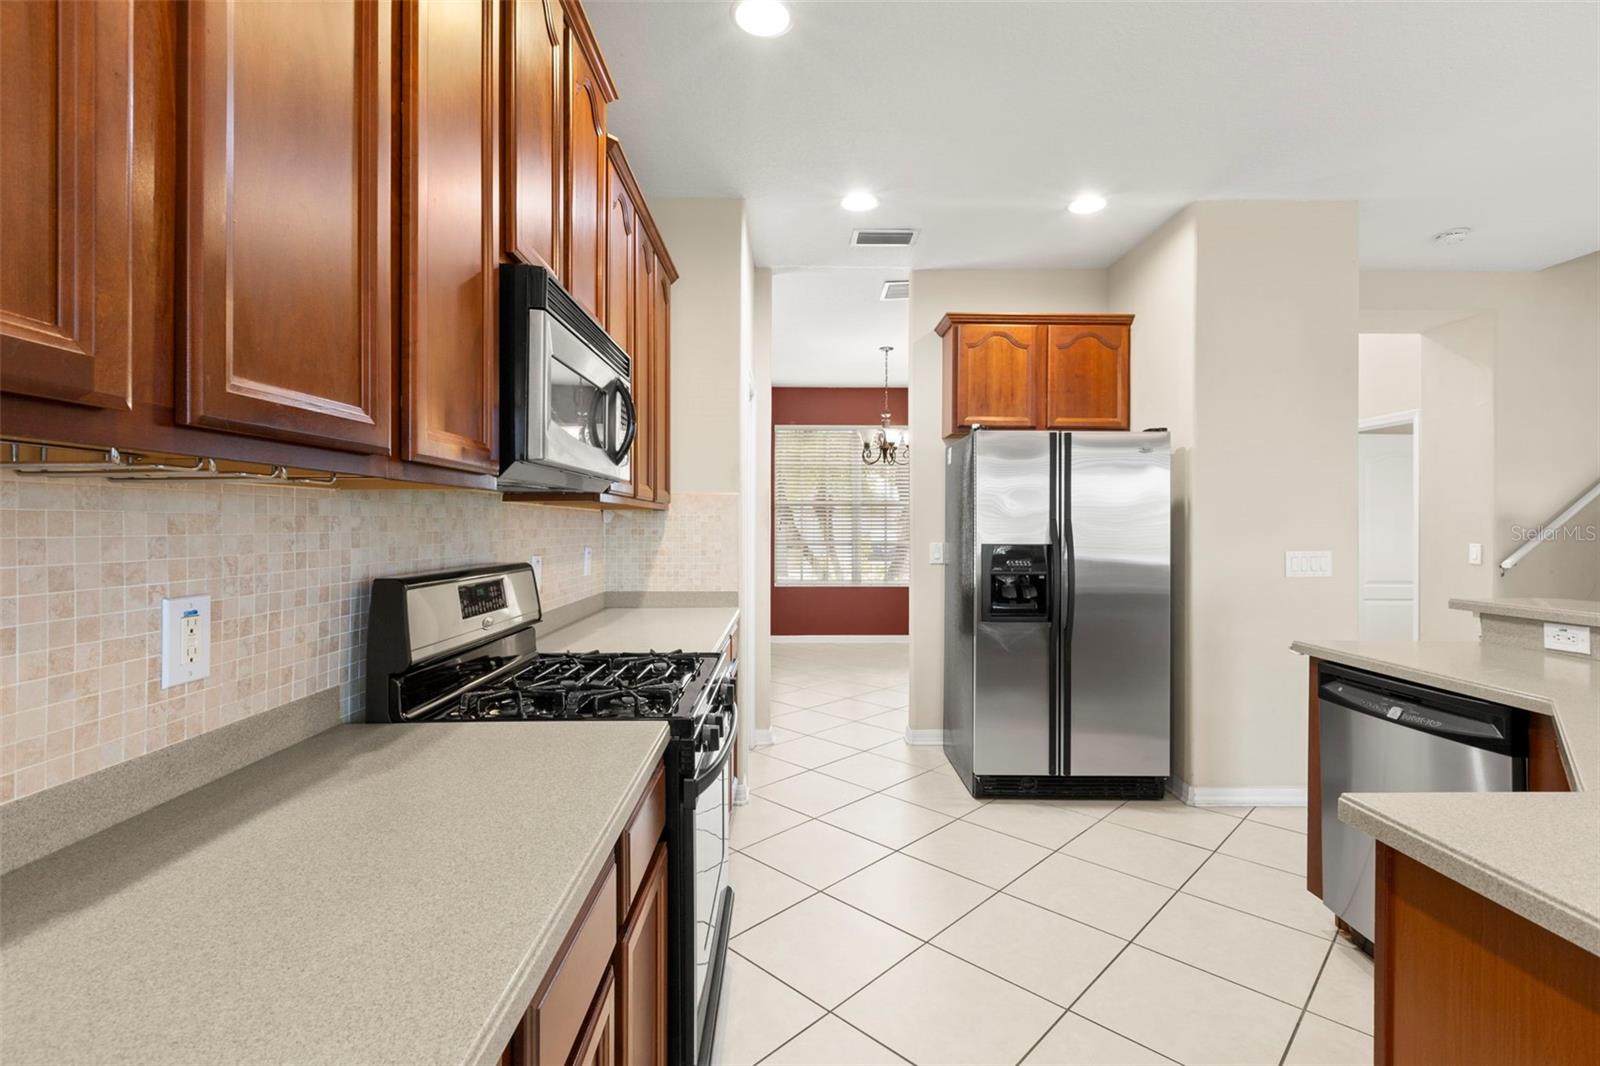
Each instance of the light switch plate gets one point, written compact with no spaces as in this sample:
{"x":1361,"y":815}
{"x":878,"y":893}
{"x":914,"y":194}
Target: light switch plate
{"x":537,"y":562}
{"x":588,"y":560}
{"x":1308,"y":564}
{"x":185,"y":640}
{"x":936,"y":553}
{"x":1475,"y":554}
{"x":1576,"y":639}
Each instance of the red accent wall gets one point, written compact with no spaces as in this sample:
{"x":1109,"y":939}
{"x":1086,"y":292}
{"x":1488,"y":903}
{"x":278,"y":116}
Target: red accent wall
{"x":799,"y":611}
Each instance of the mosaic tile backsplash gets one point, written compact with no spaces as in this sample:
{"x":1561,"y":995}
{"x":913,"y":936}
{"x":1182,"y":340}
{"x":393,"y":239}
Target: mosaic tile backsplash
{"x":691,"y":546}
{"x":84,"y":566}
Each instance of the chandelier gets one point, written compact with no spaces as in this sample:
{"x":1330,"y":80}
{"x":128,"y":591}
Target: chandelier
{"x":882,"y":448}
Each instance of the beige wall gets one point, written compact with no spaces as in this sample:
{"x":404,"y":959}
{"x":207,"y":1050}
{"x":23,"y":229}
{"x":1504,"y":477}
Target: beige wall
{"x":933,"y":294}
{"x":1274,"y":469}
{"x":1546,"y":408}
{"x":1156,"y":284}
{"x":758,"y":482}
{"x":1390,"y":374}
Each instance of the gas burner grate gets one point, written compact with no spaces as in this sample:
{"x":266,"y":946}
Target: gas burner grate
{"x":584,"y":686}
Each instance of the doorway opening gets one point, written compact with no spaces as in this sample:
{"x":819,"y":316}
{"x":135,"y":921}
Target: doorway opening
{"x":1387,"y":450}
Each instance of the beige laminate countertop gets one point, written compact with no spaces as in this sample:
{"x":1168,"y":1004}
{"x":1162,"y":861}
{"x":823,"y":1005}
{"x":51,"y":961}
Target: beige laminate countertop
{"x":376,"y":894}
{"x":1537,"y":854}
{"x":645,"y":629}
{"x":1536,"y":609}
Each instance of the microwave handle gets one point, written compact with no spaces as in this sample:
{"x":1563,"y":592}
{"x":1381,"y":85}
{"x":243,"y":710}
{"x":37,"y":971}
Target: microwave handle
{"x":617,"y":392}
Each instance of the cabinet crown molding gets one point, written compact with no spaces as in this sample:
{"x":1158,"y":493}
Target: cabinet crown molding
{"x":967,"y":318}
{"x":578,"y":23}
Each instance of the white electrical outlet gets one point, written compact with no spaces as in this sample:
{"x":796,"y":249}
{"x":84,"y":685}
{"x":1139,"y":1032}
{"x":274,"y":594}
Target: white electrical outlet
{"x":1576,"y":639}
{"x":1475,"y":554}
{"x":185,"y":640}
{"x":588,"y":560}
{"x":936,"y":553}
{"x":537,"y":562}
{"x":1308,"y":564}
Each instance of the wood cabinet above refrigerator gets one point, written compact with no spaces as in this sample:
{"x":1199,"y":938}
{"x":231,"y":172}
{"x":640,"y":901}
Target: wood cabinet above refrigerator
{"x":1035,"y":371}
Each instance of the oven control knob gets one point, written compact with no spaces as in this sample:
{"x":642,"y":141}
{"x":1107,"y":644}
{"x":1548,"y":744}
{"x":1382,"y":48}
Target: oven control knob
{"x":710,"y":736}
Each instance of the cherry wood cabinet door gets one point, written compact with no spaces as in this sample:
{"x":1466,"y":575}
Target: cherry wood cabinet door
{"x":533,"y":127}
{"x":586,"y":175}
{"x":642,"y":972}
{"x":598,"y":1045}
{"x":1086,"y":376}
{"x":661,"y":378}
{"x":449,"y":353}
{"x":644,"y":367}
{"x":287,"y":250}
{"x":66,"y":167}
{"x":999,"y":374}
{"x":621,"y":248}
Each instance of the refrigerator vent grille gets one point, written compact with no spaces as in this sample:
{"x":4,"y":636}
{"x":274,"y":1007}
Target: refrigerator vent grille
{"x":882,"y":238}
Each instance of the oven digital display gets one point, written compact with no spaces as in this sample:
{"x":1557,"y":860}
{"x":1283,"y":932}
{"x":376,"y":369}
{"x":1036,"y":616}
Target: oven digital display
{"x":483,"y":597}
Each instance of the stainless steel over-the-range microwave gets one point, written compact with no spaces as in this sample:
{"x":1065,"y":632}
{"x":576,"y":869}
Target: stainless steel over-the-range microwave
{"x":566,"y":411}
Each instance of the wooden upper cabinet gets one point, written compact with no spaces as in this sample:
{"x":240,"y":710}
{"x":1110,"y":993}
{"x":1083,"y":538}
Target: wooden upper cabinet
{"x":287,"y":252}
{"x":534,"y":90}
{"x":588,"y":89}
{"x":994,"y":371}
{"x":66,"y":167}
{"x":644,"y":369}
{"x":1035,"y":371}
{"x":1086,"y":376}
{"x":449,"y":354}
{"x":661,"y":374}
{"x":622,"y":241}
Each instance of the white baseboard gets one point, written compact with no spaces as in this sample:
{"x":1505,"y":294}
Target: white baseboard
{"x":930,"y":737}
{"x":760,"y":738}
{"x":893,"y":638}
{"x":1266,"y":796}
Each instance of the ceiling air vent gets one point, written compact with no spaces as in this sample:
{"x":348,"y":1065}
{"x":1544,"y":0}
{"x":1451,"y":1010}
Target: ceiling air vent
{"x":895,"y":290}
{"x":882,"y":238}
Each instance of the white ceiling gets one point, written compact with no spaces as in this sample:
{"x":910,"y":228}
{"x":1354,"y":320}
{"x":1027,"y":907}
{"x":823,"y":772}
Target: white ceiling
{"x":827,"y":326}
{"x":977,"y":122}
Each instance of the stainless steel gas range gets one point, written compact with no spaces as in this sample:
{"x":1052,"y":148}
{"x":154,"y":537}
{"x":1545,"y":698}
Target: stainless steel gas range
{"x":459,"y":646}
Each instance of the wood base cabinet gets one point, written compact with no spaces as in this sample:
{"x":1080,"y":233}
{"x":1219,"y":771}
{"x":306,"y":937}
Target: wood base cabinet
{"x":1036,"y":371}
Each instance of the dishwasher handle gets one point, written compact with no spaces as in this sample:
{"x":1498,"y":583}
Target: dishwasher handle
{"x":1495,"y":733}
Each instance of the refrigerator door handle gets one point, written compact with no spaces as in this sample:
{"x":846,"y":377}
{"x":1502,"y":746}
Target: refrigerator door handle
{"x":1061,"y":639}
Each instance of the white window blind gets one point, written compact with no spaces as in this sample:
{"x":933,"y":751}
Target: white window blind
{"x":836,"y":520}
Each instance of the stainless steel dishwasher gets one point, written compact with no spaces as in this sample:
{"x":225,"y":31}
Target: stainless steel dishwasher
{"x":1379,"y":734}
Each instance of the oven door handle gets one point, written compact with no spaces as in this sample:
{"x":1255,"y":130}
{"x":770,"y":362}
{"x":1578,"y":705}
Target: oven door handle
{"x":705,"y":778}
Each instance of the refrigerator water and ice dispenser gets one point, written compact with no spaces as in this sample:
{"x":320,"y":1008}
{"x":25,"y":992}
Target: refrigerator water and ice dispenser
{"x":1018,"y":582}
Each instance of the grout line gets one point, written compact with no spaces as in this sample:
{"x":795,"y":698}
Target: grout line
{"x":1307,"y":1004}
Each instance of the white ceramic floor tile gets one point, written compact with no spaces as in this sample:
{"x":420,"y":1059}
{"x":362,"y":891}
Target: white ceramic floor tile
{"x":1344,"y":991}
{"x":1319,"y":1042}
{"x":1110,"y":901}
{"x":759,"y":819}
{"x":938,"y":792}
{"x":858,"y":735}
{"x":1270,"y":958}
{"x":824,"y":949}
{"x":1268,"y":845}
{"x":810,"y":752}
{"x":886,"y":697}
{"x":1047,"y":954}
{"x":1176,"y":821}
{"x":1187,"y":1014}
{"x":839,"y":687}
{"x":1290,"y":818}
{"x":933,"y":1008}
{"x":910,"y":895}
{"x":761,"y":1012}
{"x":926,"y":756}
{"x":1038,"y":823}
{"x":801,"y":698}
{"x":816,"y":853}
{"x":896,"y":722}
{"x":1166,"y":862}
{"x":760,"y":891}
{"x":850,"y":709}
{"x":1076,"y":1041}
{"x":761,"y":769}
{"x":806,"y":722}
{"x":891,"y":822}
{"x":830,"y":1042}
{"x":1263,"y":891}
{"x":812,"y":793}
{"x":870,"y":770}
{"x":978,"y":853}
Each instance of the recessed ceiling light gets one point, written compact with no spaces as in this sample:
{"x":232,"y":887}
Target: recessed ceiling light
{"x":1087,"y":204}
{"x":859,"y":200}
{"x":1452,"y":236}
{"x":762,"y":18}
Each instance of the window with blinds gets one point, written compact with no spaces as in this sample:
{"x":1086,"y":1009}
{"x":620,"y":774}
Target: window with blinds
{"x":836,"y":520}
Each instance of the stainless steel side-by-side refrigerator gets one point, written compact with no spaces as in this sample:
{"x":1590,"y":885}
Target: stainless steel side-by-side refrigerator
{"x":1058,"y":612}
